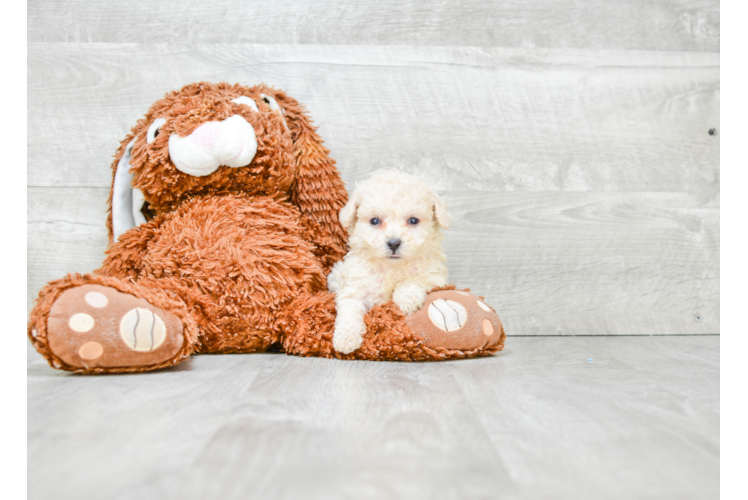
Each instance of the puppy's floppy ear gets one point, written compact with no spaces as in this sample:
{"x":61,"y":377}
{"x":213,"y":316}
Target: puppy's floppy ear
{"x":441,"y":212}
{"x":348,"y":212}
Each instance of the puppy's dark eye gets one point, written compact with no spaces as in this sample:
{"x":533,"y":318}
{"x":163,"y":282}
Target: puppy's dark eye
{"x":413,"y":221}
{"x":374,"y":221}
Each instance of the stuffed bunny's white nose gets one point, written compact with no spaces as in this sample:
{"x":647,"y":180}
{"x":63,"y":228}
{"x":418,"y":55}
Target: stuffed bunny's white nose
{"x":230,"y":143}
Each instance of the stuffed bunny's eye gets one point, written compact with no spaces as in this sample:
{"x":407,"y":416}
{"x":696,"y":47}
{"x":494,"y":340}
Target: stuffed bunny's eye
{"x":274,"y":107}
{"x":272,"y":103}
{"x":153,"y":130}
{"x":246,"y":101}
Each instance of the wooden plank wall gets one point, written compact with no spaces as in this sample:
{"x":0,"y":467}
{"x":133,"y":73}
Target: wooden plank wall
{"x":571,"y":139}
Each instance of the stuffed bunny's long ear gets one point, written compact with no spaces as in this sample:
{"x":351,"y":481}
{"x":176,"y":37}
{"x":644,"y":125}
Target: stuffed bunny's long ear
{"x":318,"y":190}
{"x":125,"y":202}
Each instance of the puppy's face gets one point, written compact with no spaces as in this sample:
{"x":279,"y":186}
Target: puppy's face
{"x":394,"y":217}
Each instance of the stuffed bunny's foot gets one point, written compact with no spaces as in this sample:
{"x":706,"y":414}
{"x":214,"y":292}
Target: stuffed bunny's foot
{"x":95,"y":326}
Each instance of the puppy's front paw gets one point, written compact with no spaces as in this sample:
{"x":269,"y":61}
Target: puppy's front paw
{"x":348,"y":338}
{"x":409,"y":299}
{"x":346,"y":342}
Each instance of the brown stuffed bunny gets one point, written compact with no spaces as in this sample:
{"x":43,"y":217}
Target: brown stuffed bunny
{"x":223,"y":223}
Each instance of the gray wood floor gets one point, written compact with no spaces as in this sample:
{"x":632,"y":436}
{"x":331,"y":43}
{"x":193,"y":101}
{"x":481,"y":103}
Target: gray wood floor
{"x":552,"y":418}
{"x":572,"y":141}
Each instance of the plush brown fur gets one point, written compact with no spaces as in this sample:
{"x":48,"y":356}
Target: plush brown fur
{"x":387,"y":338}
{"x":239,"y":260}
{"x":240,"y":255}
{"x":289,"y":165}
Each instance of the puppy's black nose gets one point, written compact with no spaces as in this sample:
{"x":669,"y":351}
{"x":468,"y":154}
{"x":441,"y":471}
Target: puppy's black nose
{"x":394,"y":244}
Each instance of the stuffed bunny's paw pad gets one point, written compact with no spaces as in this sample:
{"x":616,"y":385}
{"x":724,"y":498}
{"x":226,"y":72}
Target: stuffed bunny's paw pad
{"x":97,"y":326}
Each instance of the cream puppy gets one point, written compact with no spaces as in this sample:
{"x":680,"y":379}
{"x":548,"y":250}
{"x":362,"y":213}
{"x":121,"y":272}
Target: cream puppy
{"x":394,"y":240}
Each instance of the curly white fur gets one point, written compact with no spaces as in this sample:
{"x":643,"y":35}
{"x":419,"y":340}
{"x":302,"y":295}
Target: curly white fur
{"x":390,"y":256}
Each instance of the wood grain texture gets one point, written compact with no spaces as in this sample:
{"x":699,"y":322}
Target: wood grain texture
{"x":590,"y":263}
{"x":507,"y":120}
{"x":562,"y":418}
{"x":607,"y":24}
{"x":66,"y":231}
